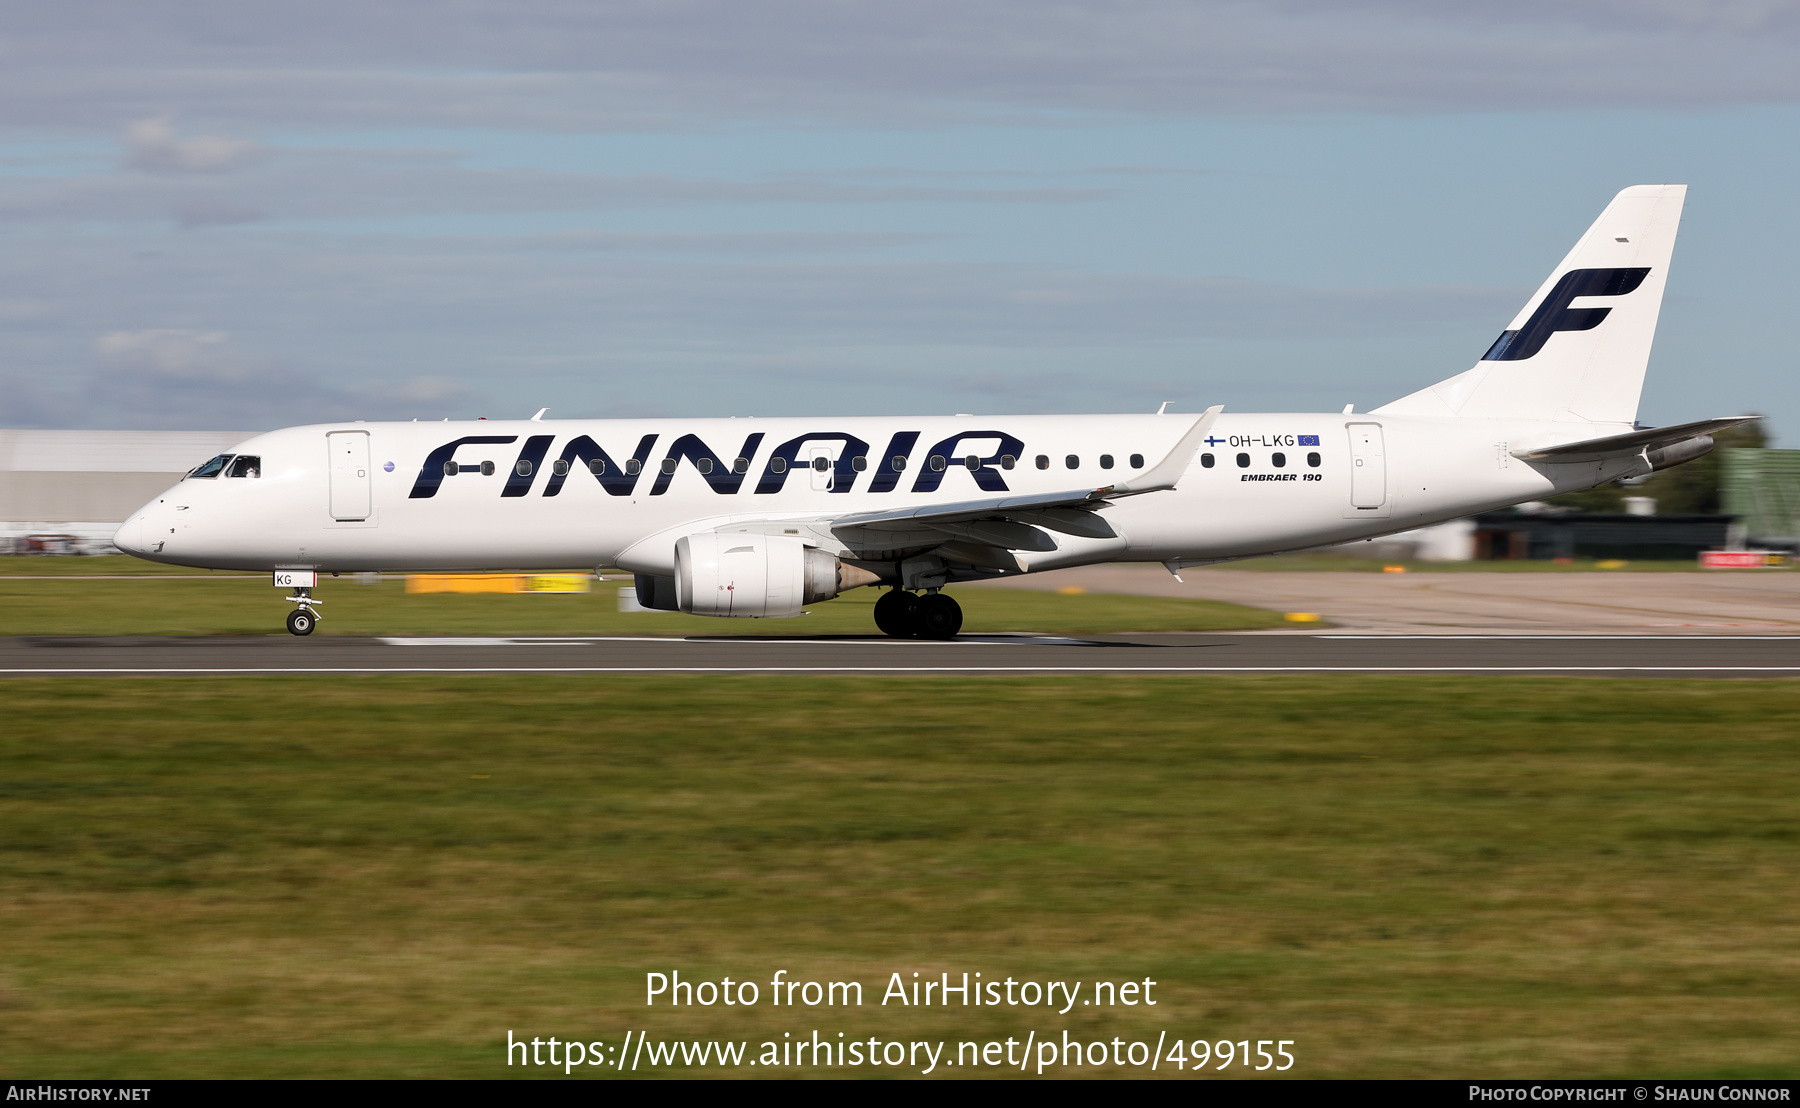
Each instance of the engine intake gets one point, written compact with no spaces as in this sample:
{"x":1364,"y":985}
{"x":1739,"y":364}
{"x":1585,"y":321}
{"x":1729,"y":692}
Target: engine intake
{"x":750,"y":575}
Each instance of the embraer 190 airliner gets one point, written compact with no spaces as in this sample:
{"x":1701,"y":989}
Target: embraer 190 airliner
{"x":762,"y":517}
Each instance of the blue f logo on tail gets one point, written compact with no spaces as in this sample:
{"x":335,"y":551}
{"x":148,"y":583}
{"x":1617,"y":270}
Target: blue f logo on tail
{"x":1554,"y":314}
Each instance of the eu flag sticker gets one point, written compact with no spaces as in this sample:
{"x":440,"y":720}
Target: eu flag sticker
{"x":1309,"y":440}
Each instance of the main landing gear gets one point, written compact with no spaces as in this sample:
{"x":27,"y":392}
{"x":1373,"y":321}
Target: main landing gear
{"x":904,"y":616}
{"x":303,"y":619}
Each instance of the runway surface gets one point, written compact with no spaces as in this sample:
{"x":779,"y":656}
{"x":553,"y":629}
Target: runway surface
{"x":1735,"y":656}
{"x":1748,"y":602}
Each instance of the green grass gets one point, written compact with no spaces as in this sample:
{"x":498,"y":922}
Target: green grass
{"x":156,"y":605}
{"x":381,"y":876}
{"x":1345,"y":563}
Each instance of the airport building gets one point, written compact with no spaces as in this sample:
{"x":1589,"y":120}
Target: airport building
{"x":68,"y":491}
{"x":1761,"y":488}
{"x":1506,"y":536}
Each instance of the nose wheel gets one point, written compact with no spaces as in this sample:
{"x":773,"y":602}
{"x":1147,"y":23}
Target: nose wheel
{"x":303,"y":619}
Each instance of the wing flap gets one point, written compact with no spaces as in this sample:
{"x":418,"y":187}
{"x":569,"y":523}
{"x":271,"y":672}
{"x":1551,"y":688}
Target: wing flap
{"x":957,"y":511}
{"x":999,"y":532}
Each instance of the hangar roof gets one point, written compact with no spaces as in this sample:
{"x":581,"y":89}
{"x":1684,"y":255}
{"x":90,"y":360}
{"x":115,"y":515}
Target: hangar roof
{"x":112,"y":451}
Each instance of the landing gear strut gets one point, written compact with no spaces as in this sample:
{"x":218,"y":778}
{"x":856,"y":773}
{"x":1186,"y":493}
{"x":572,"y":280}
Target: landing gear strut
{"x":902,"y":615}
{"x":303,"y":619}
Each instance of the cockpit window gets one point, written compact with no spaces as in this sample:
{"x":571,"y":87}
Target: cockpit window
{"x":212,"y":468}
{"x":245,"y":465}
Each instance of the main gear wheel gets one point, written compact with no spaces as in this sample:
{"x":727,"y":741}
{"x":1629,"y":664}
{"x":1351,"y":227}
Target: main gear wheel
{"x":894,"y":613}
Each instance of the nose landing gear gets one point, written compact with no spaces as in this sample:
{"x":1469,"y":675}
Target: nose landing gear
{"x":303,"y":619}
{"x":902,"y":615}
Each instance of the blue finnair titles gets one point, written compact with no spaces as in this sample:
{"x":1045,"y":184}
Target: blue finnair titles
{"x":993,"y":452}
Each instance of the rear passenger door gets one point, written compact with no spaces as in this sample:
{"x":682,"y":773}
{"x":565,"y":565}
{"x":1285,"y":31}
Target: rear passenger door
{"x":1368,"y":470}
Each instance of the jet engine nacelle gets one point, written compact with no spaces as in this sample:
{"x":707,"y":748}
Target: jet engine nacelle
{"x":737,"y":574}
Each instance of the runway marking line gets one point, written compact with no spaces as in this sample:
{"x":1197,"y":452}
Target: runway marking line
{"x":904,"y":669}
{"x":1019,"y":639}
{"x":1023,"y":639}
{"x":1593,"y":638}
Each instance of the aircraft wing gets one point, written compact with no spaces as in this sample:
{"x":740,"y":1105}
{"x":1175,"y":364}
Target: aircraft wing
{"x":1631,"y":443}
{"x":1014,"y":522}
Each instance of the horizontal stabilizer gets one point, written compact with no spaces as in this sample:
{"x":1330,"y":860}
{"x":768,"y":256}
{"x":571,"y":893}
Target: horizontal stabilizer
{"x":1631,"y":443}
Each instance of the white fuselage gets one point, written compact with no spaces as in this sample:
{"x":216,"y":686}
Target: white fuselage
{"x":374,"y":496}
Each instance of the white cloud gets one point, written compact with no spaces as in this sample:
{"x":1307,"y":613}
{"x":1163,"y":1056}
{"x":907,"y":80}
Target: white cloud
{"x":674,"y":64}
{"x":340,"y":183}
{"x":173,"y":356}
{"x":152,"y":144}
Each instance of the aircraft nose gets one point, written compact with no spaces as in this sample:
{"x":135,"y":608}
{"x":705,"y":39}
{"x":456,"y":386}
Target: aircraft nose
{"x":132,"y":535}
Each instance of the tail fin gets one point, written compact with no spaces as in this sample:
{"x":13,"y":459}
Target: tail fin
{"x":1577,"y":350}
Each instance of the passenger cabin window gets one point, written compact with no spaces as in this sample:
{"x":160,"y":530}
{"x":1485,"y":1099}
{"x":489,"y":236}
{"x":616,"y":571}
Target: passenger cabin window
{"x":487,"y":469}
{"x":1073,"y":461}
{"x":899,"y":462}
{"x":1279,"y":459}
{"x":972,"y":461}
{"x":245,"y":465}
{"x":1137,"y":461}
{"x":597,"y":466}
{"x":1043,"y":461}
{"x":778,"y":464}
{"x":1106,"y":461}
{"x":937,"y":462}
{"x":212,"y":467}
{"x":1243,"y":461}
{"x":632,"y":466}
{"x":1007,"y":461}
{"x":704,"y":465}
{"x":821,"y":464}
{"x":741,"y":465}
{"x":669,"y":464}
{"x":522,"y":467}
{"x":859,"y":463}
{"x":560,"y":467}
{"x":1313,"y":460}
{"x":1206,"y":461}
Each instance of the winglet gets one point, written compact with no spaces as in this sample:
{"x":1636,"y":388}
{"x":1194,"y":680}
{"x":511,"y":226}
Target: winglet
{"x":1168,"y":471}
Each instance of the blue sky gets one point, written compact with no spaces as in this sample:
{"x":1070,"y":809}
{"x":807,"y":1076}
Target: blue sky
{"x":212,"y":219}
